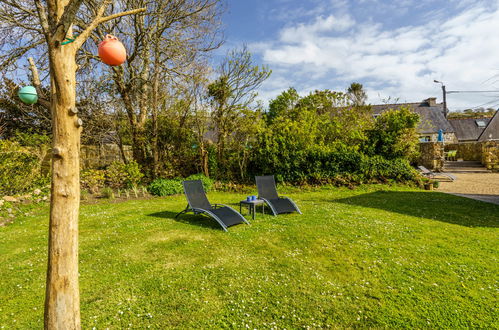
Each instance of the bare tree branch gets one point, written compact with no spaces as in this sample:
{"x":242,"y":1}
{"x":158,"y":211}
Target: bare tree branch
{"x":36,"y":82}
{"x":80,"y":40}
{"x":42,"y":15}
{"x":125,"y":13}
{"x":99,"y":19}
{"x":67,"y":19}
{"x":14,"y":54}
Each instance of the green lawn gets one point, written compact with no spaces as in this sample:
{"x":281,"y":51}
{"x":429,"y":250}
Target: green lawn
{"x":370,"y":257}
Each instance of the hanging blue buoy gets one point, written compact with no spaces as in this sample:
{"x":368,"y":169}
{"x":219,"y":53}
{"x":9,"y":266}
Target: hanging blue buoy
{"x":28,"y":95}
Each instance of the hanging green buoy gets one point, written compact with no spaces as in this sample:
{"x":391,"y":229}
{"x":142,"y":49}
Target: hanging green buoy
{"x":28,"y":95}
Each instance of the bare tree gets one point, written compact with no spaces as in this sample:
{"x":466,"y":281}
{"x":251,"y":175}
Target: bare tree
{"x":54,"y":30}
{"x":201,"y":118}
{"x":165,"y":48}
{"x":233,"y":91}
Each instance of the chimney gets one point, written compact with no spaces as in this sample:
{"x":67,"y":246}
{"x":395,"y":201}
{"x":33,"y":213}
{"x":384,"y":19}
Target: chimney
{"x":432,"y":101}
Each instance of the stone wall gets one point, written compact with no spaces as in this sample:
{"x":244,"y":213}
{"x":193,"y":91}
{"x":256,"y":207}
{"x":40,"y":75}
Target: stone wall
{"x":103,"y":155}
{"x":431,"y":155}
{"x":466,"y":150}
{"x":490,"y":155}
{"x":433,"y":137}
{"x":485,"y":152}
{"x":94,"y":157}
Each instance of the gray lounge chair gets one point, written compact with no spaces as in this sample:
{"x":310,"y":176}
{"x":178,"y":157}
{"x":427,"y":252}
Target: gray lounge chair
{"x":267,"y":191}
{"x":432,"y":175}
{"x":198,"y":203}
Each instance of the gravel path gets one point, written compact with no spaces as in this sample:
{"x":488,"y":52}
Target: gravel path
{"x":480,"y":186}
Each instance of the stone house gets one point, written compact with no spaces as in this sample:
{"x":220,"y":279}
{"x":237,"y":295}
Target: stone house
{"x":476,"y":129}
{"x":491,"y":131}
{"x":469,"y":129}
{"x":432,"y":119}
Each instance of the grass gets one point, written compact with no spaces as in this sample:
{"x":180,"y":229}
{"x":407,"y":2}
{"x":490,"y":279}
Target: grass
{"x":371,"y":257}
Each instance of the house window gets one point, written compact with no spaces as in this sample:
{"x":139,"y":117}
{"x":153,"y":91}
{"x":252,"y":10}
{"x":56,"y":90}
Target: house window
{"x":425,"y":139}
{"x":480,"y":123}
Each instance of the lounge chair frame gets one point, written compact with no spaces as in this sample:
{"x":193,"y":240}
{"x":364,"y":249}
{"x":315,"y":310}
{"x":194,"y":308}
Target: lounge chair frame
{"x":431,"y":175}
{"x":273,"y":187}
{"x":205,"y":211}
{"x":272,"y":208}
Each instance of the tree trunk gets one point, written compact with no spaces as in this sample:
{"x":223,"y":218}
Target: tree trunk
{"x":119,"y":142}
{"x":221,"y":154}
{"x":62,"y":302}
{"x":139,"y":148}
{"x":154,"y":119}
{"x":204,"y":160}
{"x":137,"y":125}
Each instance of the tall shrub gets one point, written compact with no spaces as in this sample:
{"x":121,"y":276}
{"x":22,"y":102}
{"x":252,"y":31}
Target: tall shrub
{"x":121,"y":175}
{"x":21,"y":162}
{"x":394,"y":135}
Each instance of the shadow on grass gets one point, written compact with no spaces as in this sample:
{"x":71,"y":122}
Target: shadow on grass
{"x":430,"y":205}
{"x":188,"y":218}
{"x":481,"y":197}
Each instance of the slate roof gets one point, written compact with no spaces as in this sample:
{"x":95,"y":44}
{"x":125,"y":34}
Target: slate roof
{"x":432,"y":118}
{"x":467,"y":129}
{"x":491,"y":132}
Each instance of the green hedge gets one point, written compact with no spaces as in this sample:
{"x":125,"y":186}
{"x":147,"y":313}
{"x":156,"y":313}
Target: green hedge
{"x":319,"y":165}
{"x":166,"y":187}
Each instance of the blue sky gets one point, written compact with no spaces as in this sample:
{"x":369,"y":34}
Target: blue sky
{"x":394,"y":48}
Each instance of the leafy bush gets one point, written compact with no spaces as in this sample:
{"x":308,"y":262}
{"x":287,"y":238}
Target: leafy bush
{"x":394,"y":135}
{"x":93,"y":180}
{"x":229,"y":186}
{"x":34,"y":140}
{"x":207,"y":182}
{"x":165,"y":187}
{"x":380,"y":169}
{"x":116,"y":175}
{"x":108,"y":193}
{"x":121,"y":175}
{"x":84,"y":194}
{"x":134,"y":174}
{"x":20,"y":168}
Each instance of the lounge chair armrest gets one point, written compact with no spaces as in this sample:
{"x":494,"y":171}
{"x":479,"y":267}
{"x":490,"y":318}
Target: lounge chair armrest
{"x":197,"y":210}
{"x":220,"y":205}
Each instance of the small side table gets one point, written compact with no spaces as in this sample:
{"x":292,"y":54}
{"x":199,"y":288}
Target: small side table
{"x":252,"y":206}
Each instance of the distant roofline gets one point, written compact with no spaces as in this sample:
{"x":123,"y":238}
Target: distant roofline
{"x":400,"y":104}
{"x":431,"y":114}
{"x":488,"y":124}
{"x":471,"y":118}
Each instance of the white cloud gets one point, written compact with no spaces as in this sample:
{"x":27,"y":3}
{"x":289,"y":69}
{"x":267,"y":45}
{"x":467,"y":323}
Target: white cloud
{"x":332,"y":51}
{"x":302,"y":32}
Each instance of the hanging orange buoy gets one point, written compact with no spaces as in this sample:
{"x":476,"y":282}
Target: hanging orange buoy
{"x":112,"y":51}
